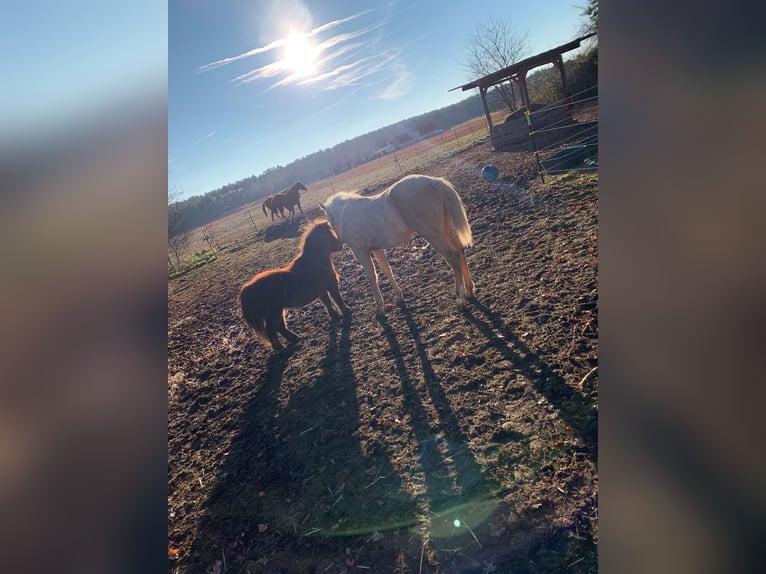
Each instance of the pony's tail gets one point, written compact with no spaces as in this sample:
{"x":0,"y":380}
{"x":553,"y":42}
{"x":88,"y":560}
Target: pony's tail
{"x":254,"y":319}
{"x":263,"y":206}
{"x":456,"y":212}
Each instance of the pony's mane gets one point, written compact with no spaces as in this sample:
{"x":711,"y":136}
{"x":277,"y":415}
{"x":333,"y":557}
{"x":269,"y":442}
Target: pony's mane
{"x":308,"y":231}
{"x":349,"y":194}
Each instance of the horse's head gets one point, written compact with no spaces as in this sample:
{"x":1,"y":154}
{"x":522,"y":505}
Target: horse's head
{"x":299,"y":185}
{"x":331,"y":238}
{"x":321,"y":237}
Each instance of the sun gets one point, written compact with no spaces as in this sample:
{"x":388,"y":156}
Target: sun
{"x":300,"y":55}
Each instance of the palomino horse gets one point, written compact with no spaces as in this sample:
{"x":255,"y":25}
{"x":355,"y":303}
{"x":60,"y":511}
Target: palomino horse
{"x":429,"y":206}
{"x":288,"y":199}
{"x":270,"y":204}
{"x":309,"y":276}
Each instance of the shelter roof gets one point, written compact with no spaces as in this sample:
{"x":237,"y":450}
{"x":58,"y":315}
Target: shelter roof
{"x":519,"y":69}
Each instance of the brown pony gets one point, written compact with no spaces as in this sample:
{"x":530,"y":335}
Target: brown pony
{"x":288,"y":199}
{"x":270,"y":204}
{"x":310,"y":276}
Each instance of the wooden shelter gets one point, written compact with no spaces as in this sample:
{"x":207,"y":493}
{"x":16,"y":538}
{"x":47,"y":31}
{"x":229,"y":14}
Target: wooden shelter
{"x":515,"y":134}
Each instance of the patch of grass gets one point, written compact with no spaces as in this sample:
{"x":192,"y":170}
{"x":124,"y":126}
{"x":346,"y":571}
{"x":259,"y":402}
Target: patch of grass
{"x":199,"y":259}
{"x":577,"y":178}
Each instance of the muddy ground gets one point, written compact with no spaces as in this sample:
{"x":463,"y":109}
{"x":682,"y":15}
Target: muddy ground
{"x":433,"y":440}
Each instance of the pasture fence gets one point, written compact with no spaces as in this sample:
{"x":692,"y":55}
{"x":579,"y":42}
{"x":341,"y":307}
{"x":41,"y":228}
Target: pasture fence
{"x":255,"y":229}
{"x":564,"y":134}
{"x":209,"y":236}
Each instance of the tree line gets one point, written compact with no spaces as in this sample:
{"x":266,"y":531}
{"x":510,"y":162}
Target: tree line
{"x":544,"y":87}
{"x":198,"y":210}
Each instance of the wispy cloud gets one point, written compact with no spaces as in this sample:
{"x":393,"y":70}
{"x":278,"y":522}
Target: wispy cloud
{"x":400,"y":84}
{"x":277,"y":43}
{"x":202,"y":139}
{"x":346,"y":58}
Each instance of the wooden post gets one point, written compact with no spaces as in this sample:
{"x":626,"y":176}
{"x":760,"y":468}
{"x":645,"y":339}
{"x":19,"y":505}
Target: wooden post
{"x":522,"y":80}
{"x":251,"y":220}
{"x":396,"y":159}
{"x":207,"y":235}
{"x":560,"y":65}
{"x":483,"y":92}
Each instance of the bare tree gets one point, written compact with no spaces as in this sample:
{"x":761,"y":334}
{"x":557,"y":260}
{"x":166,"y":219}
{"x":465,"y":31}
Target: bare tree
{"x":492,"y":46}
{"x":178,"y":236}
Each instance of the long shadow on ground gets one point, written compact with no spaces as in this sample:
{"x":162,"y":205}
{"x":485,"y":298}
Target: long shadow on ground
{"x":296,"y":485}
{"x":456,"y":493}
{"x":245,"y":469}
{"x":575,"y":409}
{"x":283,"y":229}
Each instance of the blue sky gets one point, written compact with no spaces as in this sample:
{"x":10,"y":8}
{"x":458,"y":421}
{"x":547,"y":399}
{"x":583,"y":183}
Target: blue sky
{"x":256,"y":84}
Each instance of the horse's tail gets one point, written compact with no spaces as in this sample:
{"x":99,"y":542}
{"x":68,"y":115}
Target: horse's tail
{"x":455,"y":211}
{"x":253,"y":313}
{"x":263,"y":206}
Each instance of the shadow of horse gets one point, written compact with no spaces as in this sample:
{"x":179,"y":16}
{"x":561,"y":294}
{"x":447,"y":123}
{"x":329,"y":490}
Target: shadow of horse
{"x":297,"y":483}
{"x":245,"y":468}
{"x":282,"y":230}
{"x":454,"y":483}
{"x":575,"y":410}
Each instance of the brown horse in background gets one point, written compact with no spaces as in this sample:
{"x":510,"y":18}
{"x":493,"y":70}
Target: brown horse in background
{"x":288,"y":199}
{"x":310,"y":276}
{"x":270,"y":204}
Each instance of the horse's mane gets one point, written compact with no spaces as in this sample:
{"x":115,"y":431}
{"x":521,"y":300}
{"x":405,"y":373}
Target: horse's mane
{"x":307,"y":232}
{"x":349,"y":194}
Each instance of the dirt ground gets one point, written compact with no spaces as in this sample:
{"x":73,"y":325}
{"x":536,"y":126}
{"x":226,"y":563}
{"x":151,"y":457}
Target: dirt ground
{"x":434,"y":440}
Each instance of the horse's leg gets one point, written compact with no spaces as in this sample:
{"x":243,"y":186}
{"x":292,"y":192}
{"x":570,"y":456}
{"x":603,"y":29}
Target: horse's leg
{"x":289,"y":335}
{"x":380,"y":255}
{"x":299,"y":207}
{"x":335,"y":292}
{"x":467,"y":280}
{"x":447,"y":245}
{"x":365,"y":258}
{"x":331,"y":311}
{"x":272,"y":330}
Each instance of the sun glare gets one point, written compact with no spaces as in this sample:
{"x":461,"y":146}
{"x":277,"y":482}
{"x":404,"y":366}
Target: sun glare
{"x":300,"y":55}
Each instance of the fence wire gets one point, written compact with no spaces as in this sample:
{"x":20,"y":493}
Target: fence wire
{"x":576,"y":148}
